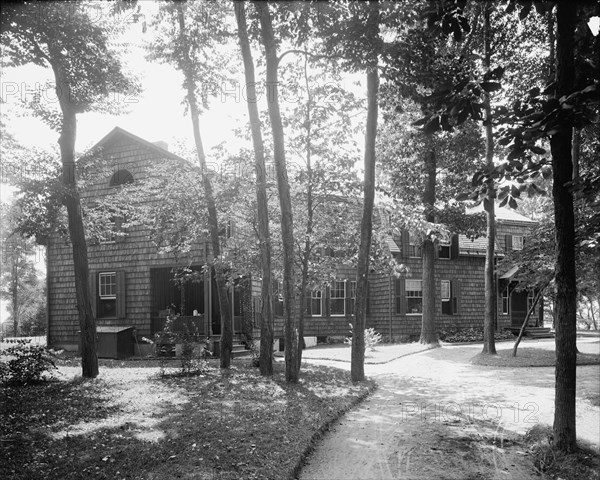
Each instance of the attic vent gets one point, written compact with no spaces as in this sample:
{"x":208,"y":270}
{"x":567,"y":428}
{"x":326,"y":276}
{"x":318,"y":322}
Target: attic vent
{"x":162,"y":144}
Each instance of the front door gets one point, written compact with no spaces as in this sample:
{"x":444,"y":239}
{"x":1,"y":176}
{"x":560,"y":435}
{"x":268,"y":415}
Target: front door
{"x":518,"y":307}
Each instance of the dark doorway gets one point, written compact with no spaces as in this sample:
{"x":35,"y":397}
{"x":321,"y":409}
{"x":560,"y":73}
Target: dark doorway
{"x":186,"y":298}
{"x":518,"y":304}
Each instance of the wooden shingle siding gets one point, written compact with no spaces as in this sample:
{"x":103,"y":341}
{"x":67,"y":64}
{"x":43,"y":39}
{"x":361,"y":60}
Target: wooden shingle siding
{"x":133,"y":257}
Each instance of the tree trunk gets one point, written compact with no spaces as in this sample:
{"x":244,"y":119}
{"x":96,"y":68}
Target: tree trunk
{"x":71,"y":200}
{"x":357,"y":367}
{"x":565,"y":279}
{"x":283,"y":187}
{"x":87,"y":320}
{"x":428,"y":328}
{"x":264,"y":237}
{"x":15,"y":294}
{"x":491,"y":312}
{"x":309,"y":220}
{"x":213,"y":224}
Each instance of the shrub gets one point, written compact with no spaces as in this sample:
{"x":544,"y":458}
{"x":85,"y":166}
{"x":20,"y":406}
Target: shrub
{"x":29,"y":364}
{"x":192,"y":350}
{"x":453,"y":334}
{"x":372,"y":338}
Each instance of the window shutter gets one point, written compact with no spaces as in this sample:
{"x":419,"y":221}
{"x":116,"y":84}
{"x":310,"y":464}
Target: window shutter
{"x":508,"y":242}
{"x":400,"y":296}
{"x":455,"y":292}
{"x":121,"y":295}
{"x":93,"y":286}
{"x":454,"y":247}
{"x":405,"y":243}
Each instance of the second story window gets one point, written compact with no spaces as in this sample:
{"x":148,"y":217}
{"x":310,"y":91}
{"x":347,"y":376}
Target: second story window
{"x":444,"y":251}
{"x":517,"y":242}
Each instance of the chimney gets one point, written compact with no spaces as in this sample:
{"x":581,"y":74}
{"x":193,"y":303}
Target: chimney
{"x":162,"y":144}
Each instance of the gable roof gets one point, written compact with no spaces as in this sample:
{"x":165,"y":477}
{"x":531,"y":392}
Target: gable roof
{"x":504,"y":214}
{"x":118,"y":132}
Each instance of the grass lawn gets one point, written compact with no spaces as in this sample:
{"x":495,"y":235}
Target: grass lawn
{"x":132,"y":423}
{"x":529,"y":357}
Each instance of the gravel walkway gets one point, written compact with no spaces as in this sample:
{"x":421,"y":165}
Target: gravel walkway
{"x":432,"y":410}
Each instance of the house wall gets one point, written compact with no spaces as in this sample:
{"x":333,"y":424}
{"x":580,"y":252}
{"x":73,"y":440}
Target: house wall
{"x":135,"y":255}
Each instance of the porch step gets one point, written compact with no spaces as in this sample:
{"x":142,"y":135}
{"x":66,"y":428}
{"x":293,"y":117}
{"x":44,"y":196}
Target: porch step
{"x":239,"y":349}
{"x":539,"y":332}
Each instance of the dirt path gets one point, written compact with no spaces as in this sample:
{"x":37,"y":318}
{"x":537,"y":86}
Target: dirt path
{"x":435,"y":416}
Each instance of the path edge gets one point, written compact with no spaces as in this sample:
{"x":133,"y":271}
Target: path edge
{"x":320,"y":432}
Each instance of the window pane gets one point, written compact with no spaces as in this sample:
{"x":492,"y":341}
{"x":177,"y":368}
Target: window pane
{"x":338,"y":289}
{"x":338,"y":298}
{"x":445,"y":289}
{"x":414,"y":292}
{"x":107,"y":285}
{"x":517,"y":242}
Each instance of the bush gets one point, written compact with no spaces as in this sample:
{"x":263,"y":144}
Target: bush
{"x":30,"y":364}
{"x":193,"y":350}
{"x":372,"y":338}
{"x":453,"y":334}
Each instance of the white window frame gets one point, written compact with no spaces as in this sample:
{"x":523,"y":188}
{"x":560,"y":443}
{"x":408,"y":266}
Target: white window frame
{"x":409,"y":287}
{"x":445,"y":288}
{"x":333,"y":289}
{"x":107,"y":296}
{"x":517,"y":242}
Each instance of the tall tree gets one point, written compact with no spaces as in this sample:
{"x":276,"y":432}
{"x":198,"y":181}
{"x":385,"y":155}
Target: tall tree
{"x":491,"y":311}
{"x":357,"y":366}
{"x":566,"y":288}
{"x":63,"y":37}
{"x":17,"y":270}
{"x":192,"y":51}
{"x":283,"y":186}
{"x":264,"y":237}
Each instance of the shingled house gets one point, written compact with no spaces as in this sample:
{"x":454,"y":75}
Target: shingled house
{"x":395,"y":304}
{"x":132,"y":283}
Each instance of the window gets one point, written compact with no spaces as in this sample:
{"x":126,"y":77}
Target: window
{"x":107,"y":294}
{"x":517,"y":242}
{"x":414,"y":297}
{"x":505,"y":301}
{"x":444,"y":251}
{"x":450,"y":294}
{"x":121,"y":177}
{"x":230,"y":229}
{"x":109,"y":235}
{"x":316,"y":303}
{"x":338,"y":298}
{"x":414,"y":250}
{"x":278,"y":299}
